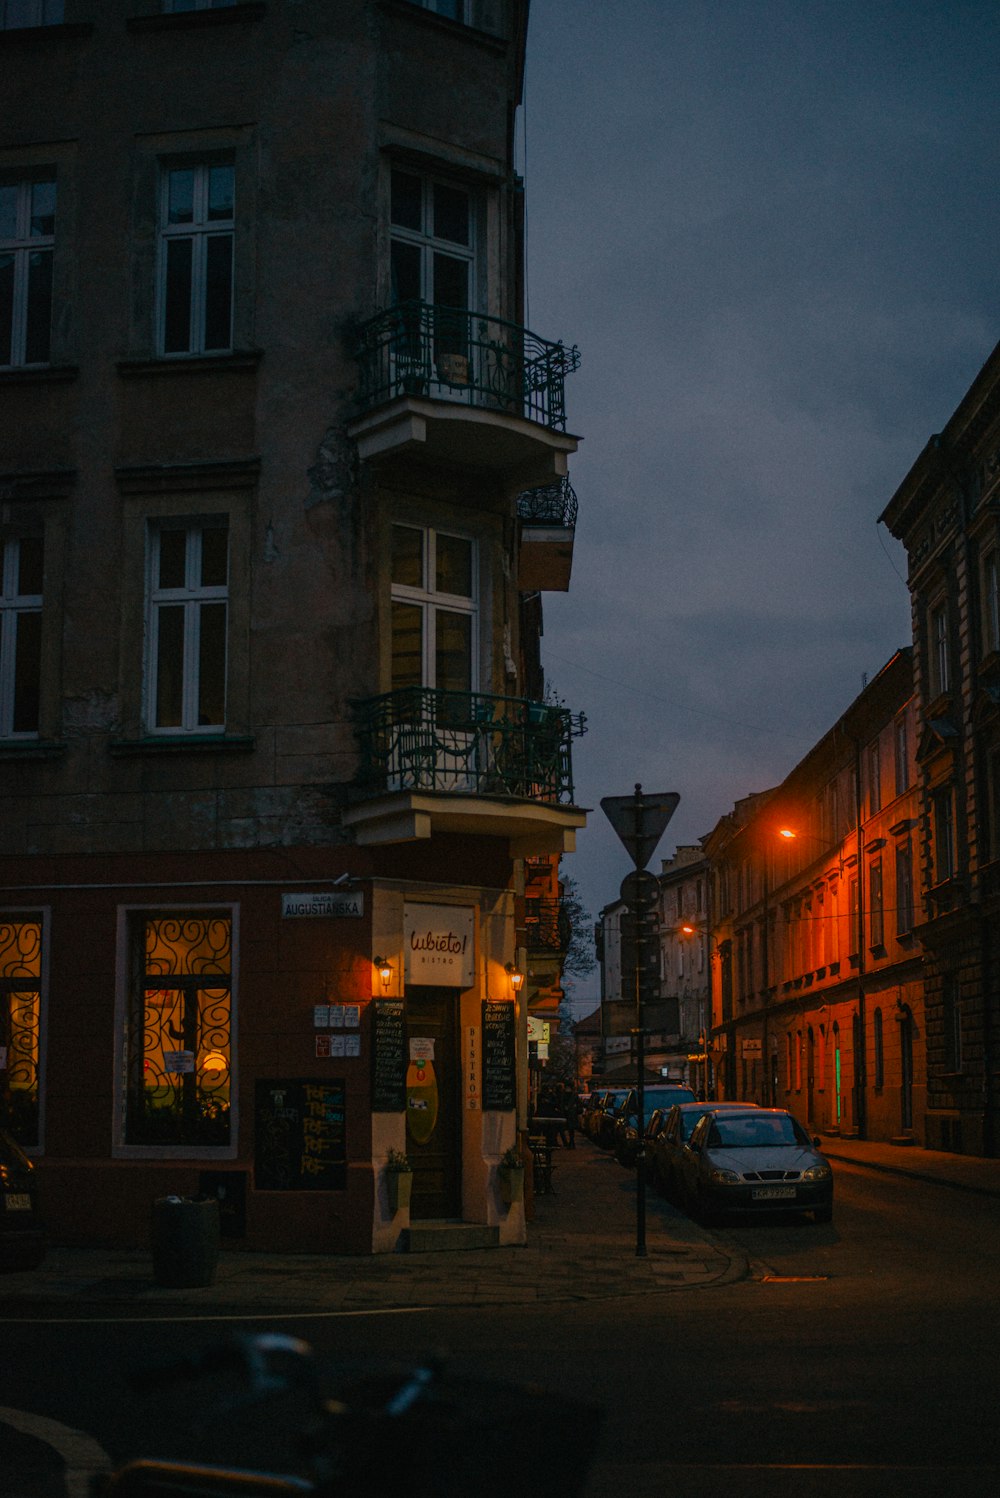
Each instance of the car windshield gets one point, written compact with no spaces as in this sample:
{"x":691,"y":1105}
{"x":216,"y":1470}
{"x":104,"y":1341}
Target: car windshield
{"x":749,"y":1130}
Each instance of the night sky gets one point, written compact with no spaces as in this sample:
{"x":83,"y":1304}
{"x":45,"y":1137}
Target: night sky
{"x":772,"y":228}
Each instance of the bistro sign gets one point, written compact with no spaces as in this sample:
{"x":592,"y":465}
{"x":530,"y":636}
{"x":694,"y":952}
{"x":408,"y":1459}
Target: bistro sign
{"x":318,"y":903}
{"x":439,"y":944}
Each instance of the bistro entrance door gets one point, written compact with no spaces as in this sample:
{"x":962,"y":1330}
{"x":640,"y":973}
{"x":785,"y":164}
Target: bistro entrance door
{"x":433,"y":1121}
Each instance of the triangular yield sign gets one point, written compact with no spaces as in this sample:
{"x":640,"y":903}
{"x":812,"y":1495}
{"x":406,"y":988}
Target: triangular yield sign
{"x":640,"y":820}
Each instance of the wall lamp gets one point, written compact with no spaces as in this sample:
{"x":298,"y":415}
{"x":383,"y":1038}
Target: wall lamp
{"x":515,"y":975}
{"x":384,"y":968}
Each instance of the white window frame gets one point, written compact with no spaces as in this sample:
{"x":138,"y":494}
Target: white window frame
{"x":13,"y":606}
{"x":191,"y":597}
{"x":200,"y":230}
{"x":430,"y":601}
{"x":21,"y":247}
{"x":17,"y":14}
{"x":426,"y":242}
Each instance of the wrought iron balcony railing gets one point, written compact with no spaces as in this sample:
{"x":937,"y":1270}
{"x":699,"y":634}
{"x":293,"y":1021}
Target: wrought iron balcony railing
{"x":546,"y":925}
{"x":550,"y":504}
{"x":466,"y":743}
{"x":460,"y":355}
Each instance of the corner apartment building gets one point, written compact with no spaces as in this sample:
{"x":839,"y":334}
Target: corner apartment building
{"x":946,"y":513}
{"x":282,"y":480}
{"x":817,"y":968}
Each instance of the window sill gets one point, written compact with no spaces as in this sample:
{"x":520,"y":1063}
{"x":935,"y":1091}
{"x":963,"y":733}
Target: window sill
{"x":28,"y":749}
{"x":186,"y":20}
{"x":233,"y":743}
{"x":35,"y":374}
{"x":65,"y":31}
{"x":192,"y":363}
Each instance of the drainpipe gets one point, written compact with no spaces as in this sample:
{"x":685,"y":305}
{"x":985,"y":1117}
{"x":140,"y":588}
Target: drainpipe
{"x":861,"y":1052}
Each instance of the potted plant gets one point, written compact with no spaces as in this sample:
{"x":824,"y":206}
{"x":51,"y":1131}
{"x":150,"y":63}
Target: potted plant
{"x":398,"y":1180}
{"x":511,"y":1175}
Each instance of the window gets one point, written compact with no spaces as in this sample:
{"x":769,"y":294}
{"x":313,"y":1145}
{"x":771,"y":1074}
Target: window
{"x":17,"y":13}
{"x":196,"y":258}
{"x":178,"y":1021}
{"x":876,"y":923}
{"x":20,"y":636}
{"x":455,"y":10}
{"x":944,"y":835}
{"x":179,"y":5}
{"x":874,"y":778}
{"x":904,"y":888}
{"x":991,"y":603}
{"x":901,"y":746}
{"x":27,"y":237}
{"x":854,"y":915}
{"x":879,"y":1051}
{"x":938,"y":650}
{"x":951,"y":1015}
{"x":431,"y":253}
{"x":20,"y":1024}
{"x":433,"y":610}
{"x":186,"y":631}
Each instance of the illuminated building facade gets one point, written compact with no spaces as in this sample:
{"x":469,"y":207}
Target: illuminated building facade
{"x":276,"y":452}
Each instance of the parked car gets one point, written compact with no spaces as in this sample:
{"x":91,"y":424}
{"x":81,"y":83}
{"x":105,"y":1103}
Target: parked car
{"x":663,"y":1152}
{"x":753,"y":1160}
{"x":22,"y":1238}
{"x":656,"y":1099}
{"x":588,"y":1113}
{"x":607,"y":1114}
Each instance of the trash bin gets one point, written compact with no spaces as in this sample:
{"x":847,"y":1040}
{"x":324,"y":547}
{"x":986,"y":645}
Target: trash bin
{"x":185,"y":1242}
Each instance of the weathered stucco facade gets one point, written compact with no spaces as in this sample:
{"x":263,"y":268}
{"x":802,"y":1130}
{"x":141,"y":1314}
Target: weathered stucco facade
{"x":270,"y":673}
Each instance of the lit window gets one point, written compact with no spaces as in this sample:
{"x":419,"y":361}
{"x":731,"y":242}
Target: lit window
{"x":177,"y":1040}
{"x":20,"y":1024}
{"x":21,"y":565}
{"x":27,"y":237}
{"x":196,"y":259}
{"x":188,"y":600}
{"x":17,"y":13}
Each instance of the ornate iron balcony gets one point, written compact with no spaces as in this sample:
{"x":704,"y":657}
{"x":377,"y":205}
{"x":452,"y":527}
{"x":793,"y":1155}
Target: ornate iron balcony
{"x":551,"y":504}
{"x":547,"y":925}
{"x":455,"y":354}
{"x":466,"y":743}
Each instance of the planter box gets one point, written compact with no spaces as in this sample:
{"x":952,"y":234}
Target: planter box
{"x":398,"y":1185}
{"x":511,"y":1183}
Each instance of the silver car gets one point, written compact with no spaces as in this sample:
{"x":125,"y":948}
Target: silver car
{"x":755,"y":1160}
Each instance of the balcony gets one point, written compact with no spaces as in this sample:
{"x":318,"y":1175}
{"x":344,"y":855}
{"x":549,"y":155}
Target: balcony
{"x":546,"y":926}
{"x":465,"y":762}
{"x":548,"y":525}
{"x":450,"y":385}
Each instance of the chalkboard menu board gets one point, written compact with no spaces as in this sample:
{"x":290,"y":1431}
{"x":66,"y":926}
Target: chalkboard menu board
{"x":499,"y":1078}
{"x":388,"y":1056}
{"x":300,"y":1138}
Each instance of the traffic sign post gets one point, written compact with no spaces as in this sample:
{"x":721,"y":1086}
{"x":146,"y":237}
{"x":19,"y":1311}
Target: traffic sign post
{"x":640,"y":821}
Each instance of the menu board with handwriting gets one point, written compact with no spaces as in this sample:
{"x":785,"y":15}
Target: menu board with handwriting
{"x":499,"y":1075}
{"x":388,"y":1056}
{"x":300,"y":1137}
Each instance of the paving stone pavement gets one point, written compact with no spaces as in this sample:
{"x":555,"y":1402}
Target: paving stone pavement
{"x":581,"y":1246}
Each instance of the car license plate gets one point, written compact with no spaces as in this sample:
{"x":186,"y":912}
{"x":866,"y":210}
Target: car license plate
{"x":773,"y":1193}
{"x":17,"y":1201}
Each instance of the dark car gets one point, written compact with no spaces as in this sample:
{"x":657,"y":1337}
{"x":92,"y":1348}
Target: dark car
{"x":663,"y":1153}
{"x":606,"y":1117}
{"x":754,"y":1160}
{"x":656,"y":1099}
{"x":22,"y":1239}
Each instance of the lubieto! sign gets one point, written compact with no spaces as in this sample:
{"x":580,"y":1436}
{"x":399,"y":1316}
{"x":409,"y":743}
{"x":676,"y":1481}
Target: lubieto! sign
{"x":439,"y":944}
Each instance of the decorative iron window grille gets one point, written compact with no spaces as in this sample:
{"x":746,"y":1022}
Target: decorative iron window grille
{"x":178,"y":1056}
{"x":455,"y":354}
{"x":550,"y":504}
{"x":20,"y":1026}
{"x":547,"y":925}
{"x":466,"y":743}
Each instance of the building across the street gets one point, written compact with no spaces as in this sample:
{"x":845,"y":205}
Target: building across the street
{"x":283,"y":481}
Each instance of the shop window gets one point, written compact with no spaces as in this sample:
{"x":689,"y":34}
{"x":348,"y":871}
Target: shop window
{"x":178,"y":1026}
{"x":20,"y":1025}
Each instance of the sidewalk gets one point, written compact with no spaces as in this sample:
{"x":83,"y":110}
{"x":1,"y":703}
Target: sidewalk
{"x":581,"y":1246}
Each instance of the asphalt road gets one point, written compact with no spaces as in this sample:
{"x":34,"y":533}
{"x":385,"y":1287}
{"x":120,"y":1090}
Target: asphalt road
{"x":857,"y":1358}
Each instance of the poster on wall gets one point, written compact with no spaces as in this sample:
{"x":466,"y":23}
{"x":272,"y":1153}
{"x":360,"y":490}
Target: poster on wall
{"x":499,"y":1075}
{"x":388,"y":1056}
{"x":299,"y":1133}
{"x":439,"y":945}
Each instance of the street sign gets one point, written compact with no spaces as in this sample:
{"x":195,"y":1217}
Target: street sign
{"x":640,"y":890}
{"x":640,"y":820}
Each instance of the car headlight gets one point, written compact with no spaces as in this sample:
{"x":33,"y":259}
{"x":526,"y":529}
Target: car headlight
{"x":817,"y":1173}
{"x":719,"y":1177}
